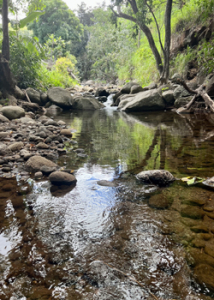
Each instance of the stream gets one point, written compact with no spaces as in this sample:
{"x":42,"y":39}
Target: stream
{"x":127,"y":240}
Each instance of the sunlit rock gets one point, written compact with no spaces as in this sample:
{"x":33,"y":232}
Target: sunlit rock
{"x":159,"y":177}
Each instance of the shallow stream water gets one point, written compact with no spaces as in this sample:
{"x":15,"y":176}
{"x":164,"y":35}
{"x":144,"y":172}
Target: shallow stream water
{"x":125,"y":241}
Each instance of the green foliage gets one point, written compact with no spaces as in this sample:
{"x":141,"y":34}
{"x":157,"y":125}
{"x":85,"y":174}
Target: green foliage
{"x":60,"y":21}
{"x":26,"y":55}
{"x":52,"y":78}
{"x":55,"y":47}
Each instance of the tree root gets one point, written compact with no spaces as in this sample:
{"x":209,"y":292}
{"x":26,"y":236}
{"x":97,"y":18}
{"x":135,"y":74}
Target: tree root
{"x":199,"y":94}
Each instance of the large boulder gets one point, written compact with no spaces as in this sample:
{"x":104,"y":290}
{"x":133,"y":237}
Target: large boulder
{"x":36,"y":163}
{"x":169,"y":98}
{"x":136,"y":89}
{"x":60,"y":97}
{"x":180,"y":91}
{"x":12,"y":112}
{"x":159,"y":177}
{"x":58,"y":178}
{"x":144,"y":101}
{"x":126,"y":89}
{"x":86,"y":103}
{"x":34,"y":96}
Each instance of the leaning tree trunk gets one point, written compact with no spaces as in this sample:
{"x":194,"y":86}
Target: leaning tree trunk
{"x":7,"y":84}
{"x":168,"y":12}
{"x":148,"y":34}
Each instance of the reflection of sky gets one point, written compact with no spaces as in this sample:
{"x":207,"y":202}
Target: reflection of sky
{"x":84,"y":209}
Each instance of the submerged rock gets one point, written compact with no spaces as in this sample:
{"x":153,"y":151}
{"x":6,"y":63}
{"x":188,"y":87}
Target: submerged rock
{"x":159,"y":177}
{"x":204,"y":274}
{"x":58,"y":178}
{"x":106,"y":183}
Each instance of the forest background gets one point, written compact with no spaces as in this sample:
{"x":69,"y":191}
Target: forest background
{"x":62,"y":48}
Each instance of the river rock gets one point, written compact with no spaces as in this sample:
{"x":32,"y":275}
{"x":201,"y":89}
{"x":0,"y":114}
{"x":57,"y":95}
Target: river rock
{"x":47,"y":170}
{"x":144,"y":101}
{"x":191,"y":211}
{"x":27,"y":120}
{"x":12,"y":112}
{"x":66,"y":132}
{"x":42,"y":145}
{"x":3,"y":119}
{"x":169,"y":98}
{"x":101,"y":92}
{"x":3,"y":149}
{"x":159,"y":177}
{"x":19,"y":93}
{"x":34,"y":96}
{"x":106,"y":183}
{"x":86,"y":103}
{"x":204,"y":274}
{"x":60,"y":97}
{"x":44,"y":98}
{"x":25,"y":154}
{"x":58,"y":178}
{"x":3,"y":135}
{"x":159,"y":201}
{"x":16,"y":146}
{"x":35,"y":163}
{"x":136,"y":89}
{"x":126,"y":89}
{"x":38,"y":175}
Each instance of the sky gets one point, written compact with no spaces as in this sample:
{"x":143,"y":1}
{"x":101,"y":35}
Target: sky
{"x":73,"y":4}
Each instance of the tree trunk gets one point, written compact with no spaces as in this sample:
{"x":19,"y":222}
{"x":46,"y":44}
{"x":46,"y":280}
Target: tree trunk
{"x":168,"y":12}
{"x":5,"y":43}
{"x":7,"y":84}
{"x":158,"y":60}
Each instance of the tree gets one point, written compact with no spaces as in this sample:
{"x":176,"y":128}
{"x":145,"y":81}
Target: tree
{"x":7,"y":83}
{"x":139,"y":12}
{"x":60,"y":21}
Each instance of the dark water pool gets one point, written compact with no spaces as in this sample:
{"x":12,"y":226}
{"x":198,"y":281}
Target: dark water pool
{"x":130,"y":241}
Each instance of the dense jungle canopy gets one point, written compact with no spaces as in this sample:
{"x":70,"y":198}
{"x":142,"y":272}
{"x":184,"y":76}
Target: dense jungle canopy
{"x":128,"y":40}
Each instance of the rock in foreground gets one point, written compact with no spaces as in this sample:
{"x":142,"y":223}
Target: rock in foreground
{"x":159,"y":177}
{"x":36,"y":163}
{"x":58,"y":178}
{"x":13,"y":112}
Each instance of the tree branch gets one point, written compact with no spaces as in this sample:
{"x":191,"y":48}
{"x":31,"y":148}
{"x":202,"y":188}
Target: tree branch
{"x":125,"y":16}
{"x":158,"y":29}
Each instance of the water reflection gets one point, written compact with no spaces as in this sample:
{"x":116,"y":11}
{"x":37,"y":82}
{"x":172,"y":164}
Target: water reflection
{"x":89,"y":241}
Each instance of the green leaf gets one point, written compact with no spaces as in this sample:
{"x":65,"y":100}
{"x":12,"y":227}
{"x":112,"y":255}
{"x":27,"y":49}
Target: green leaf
{"x":191,"y":181}
{"x":31,"y":17}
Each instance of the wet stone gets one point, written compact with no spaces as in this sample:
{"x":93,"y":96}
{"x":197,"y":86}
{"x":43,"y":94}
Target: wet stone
{"x":204,"y":274}
{"x":106,"y":183}
{"x":6,"y":169}
{"x":193,"y":212}
{"x":200,"y":229}
{"x":198,"y":243}
{"x":38,"y":175}
{"x":209,"y":249}
{"x":205,"y":236}
{"x":159,"y":201}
